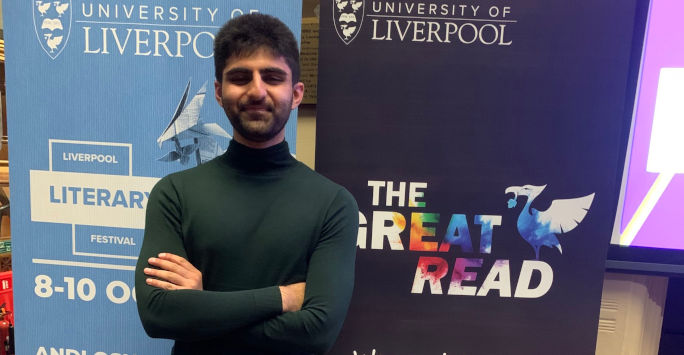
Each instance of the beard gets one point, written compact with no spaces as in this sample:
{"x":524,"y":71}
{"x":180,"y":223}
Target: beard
{"x":259,"y":125}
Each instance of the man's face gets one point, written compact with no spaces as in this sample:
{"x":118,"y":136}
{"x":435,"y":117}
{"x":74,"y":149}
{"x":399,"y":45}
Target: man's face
{"x":257,"y":95}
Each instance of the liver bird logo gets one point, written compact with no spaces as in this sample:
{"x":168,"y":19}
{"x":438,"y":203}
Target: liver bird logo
{"x":540,"y":228}
{"x":61,"y":7}
{"x":43,"y":7}
{"x":52,"y":24}
{"x":52,"y":43}
{"x":348,"y":18}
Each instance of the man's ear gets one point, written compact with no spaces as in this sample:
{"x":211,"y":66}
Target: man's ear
{"x":218,"y":92}
{"x":297,"y":94}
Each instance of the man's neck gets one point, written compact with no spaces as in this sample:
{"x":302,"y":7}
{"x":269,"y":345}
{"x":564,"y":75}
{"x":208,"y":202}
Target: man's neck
{"x":259,"y":145}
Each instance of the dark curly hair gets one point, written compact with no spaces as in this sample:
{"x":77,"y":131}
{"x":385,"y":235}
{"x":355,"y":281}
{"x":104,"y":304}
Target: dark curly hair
{"x":245,"y":34}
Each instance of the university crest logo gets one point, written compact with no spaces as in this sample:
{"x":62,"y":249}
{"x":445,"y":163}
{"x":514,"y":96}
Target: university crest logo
{"x":52,"y":24}
{"x":348,"y":18}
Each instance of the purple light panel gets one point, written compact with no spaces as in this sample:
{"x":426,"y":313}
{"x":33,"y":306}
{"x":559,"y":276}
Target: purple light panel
{"x":663,"y":221}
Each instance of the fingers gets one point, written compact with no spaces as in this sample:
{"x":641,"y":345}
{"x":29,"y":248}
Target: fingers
{"x":178,"y":260}
{"x":173,"y":272}
{"x":173,"y":263}
{"x":161,"y":284}
{"x":168,"y":276}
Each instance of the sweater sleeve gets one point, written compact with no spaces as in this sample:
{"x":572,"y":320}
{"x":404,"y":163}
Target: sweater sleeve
{"x":190,"y":314}
{"x":329,"y":286}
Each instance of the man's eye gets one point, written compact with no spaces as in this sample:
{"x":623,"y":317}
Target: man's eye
{"x":273,"y":79}
{"x":239,"y":79}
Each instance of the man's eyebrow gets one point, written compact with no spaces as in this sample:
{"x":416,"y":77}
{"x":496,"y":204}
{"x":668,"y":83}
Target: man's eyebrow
{"x":267,"y":70}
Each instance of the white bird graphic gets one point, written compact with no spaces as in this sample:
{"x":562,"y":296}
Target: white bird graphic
{"x":348,"y":31}
{"x":61,"y":7}
{"x":53,"y":42}
{"x":356,"y":4}
{"x":42,"y":8}
{"x":341,"y":4}
{"x":539,"y":228}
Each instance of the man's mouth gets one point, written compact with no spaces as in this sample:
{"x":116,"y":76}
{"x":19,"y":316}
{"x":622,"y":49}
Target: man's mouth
{"x":256,"y":108}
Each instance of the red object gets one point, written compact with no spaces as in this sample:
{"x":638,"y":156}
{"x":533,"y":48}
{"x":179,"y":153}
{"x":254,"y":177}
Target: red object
{"x":4,"y":336}
{"x":6,"y":311}
{"x":6,"y":297}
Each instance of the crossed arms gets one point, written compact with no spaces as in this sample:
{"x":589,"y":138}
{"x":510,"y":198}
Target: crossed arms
{"x":303,"y":317}
{"x":172,"y":272}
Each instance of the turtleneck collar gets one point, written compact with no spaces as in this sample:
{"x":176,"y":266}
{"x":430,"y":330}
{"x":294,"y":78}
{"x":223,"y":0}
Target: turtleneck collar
{"x":242,"y":157}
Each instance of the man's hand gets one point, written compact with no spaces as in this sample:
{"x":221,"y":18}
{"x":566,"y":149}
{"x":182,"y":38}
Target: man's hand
{"x":293,"y":296}
{"x":174,"y":273}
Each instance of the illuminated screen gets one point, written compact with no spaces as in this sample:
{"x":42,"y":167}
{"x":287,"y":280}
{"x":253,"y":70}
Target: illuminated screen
{"x":652,"y":213}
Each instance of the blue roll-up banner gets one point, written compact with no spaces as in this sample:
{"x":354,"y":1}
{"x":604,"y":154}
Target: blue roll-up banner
{"x":482,"y":141}
{"x":104,"y":97}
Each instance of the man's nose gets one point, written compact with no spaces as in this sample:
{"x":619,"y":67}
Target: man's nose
{"x":257,"y":88}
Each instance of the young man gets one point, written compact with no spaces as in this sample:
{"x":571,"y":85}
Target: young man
{"x":252,"y":252}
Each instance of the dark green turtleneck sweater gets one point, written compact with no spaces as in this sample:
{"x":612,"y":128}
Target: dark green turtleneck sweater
{"x":250,"y":220}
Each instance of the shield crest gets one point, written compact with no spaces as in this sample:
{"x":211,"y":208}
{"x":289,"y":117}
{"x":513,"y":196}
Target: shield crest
{"x":52,"y":24}
{"x":348,"y":18}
